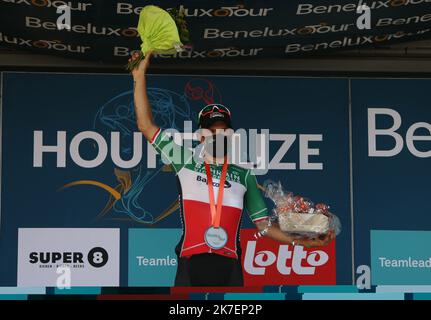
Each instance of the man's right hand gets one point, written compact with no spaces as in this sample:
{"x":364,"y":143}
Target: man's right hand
{"x":139,"y":72}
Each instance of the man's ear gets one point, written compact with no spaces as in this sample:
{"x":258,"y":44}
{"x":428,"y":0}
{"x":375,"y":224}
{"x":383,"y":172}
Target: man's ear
{"x":201,"y":133}
{"x":197,"y":136}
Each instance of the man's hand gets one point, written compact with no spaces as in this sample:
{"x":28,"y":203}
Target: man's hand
{"x":317,"y":242}
{"x":139,"y":72}
{"x":276,"y":234}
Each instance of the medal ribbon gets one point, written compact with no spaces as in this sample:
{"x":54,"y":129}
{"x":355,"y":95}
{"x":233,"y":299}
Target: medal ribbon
{"x":216,"y":212}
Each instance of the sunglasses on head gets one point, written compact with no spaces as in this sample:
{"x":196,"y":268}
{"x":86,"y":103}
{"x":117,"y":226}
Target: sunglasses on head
{"x":212,"y":108}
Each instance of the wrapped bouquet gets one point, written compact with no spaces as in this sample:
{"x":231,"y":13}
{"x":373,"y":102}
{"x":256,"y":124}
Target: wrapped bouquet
{"x":298,"y":215}
{"x":161,"y":31}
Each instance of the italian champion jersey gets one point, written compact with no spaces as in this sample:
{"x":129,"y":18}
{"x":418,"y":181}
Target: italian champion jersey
{"x":240,"y":190}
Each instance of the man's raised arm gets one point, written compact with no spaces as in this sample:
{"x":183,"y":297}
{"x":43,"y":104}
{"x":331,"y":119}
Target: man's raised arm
{"x":144,"y":116}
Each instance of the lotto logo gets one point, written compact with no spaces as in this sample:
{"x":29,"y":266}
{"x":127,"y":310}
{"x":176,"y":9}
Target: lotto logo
{"x":267,"y":262}
{"x":256,"y":262}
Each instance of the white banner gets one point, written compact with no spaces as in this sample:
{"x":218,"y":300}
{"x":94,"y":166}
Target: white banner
{"x":68,"y":257}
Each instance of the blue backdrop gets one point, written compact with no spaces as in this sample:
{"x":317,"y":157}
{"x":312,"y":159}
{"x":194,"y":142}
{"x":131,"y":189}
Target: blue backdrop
{"x":391,"y":192}
{"x":384,"y":188}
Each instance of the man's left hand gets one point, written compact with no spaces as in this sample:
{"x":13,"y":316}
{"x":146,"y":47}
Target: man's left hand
{"x":319,"y":241}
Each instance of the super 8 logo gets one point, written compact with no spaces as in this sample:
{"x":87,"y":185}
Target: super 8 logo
{"x":267,"y":262}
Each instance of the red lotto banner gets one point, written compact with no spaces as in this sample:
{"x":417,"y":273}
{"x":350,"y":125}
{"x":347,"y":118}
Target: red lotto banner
{"x":267,"y":262}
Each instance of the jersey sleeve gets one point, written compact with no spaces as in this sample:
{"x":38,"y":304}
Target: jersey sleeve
{"x":172,"y":153}
{"x":254,"y":202}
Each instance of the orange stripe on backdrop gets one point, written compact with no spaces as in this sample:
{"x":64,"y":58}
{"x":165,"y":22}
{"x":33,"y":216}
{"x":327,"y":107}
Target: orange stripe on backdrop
{"x":111,"y":190}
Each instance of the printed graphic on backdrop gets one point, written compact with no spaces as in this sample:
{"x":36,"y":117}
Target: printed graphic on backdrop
{"x":85,"y":164}
{"x":170,"y":109}
{"x":266,"y":262}
{"x":400,"y":257}
{"x":152,"y":258}
{"x":117,"y":115}
{"x":391,"y":160}
{"x":69,"y":257}
{"x":107,"y":30}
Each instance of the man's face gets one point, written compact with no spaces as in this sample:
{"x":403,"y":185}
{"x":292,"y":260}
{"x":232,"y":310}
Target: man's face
{"x":220,"y":126}
{"x":212,"y":137}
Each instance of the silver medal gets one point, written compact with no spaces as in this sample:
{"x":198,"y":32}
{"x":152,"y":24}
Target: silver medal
{"x":216,"y":238}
